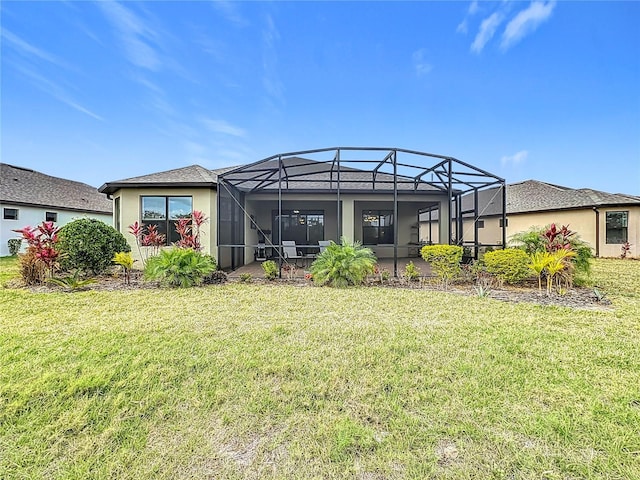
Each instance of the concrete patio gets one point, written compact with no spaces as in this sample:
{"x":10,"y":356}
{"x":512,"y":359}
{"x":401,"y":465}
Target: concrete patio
{"x":255,"y":268}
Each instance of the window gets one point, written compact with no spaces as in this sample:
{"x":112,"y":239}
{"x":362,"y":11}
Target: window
{"x":502,"y":223}
{"x":617,"y":223}
{"x":480,"y":223}
{"x":377,"y":227}
{"x":10,"y":214}
{"x":305,"y":227}
{"x":50,"y":217}
{"x":164,"y":212}
{"x":116,"y":213}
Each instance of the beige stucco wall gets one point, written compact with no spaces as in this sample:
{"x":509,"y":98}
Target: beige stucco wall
{"x":204,"y":200}
{"x":583,"y":222}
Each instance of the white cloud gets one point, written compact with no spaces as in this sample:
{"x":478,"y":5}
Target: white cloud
{"x":515,"y":159}
{"x":221,"y":126}
{"x":526,"y":22}
{"x":28,"y":50}
{"x":55,"y":90}
{"x":270,"y":79}
{"x":487,"y":30}
{"x":231,"y":12}
{"x":134,"y":35}
{"x":420,"y":63}
{"x":472,"y":10}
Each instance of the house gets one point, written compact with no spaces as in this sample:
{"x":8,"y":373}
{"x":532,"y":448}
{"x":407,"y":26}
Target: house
{"x":372,"y":195}
{"x":604,"y":220}
{"x":28,"y":197}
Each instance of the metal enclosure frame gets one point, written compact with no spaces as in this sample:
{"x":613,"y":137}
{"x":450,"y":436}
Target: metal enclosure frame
{"x":342,"y":170}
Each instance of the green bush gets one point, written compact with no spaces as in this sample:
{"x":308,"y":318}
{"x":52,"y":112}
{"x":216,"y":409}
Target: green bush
{"x":411,"y":272}
{"x":179,"y":267}
{"x":444,"y":260}
{"x":270,"y":269}
{"x":14,"y":246}
{"x":344,"y":264}
{"x":510,"y":265}
{"x":89,"y":245}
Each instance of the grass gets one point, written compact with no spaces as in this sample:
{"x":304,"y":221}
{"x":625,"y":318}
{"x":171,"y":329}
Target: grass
{"x":274,"y":381}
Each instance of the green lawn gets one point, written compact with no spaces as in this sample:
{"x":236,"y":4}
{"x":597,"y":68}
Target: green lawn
{"x":253,"y":381}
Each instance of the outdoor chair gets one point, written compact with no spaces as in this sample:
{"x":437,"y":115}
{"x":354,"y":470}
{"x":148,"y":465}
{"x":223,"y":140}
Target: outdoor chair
{"x":291,"y":252}
{"x":323,"y":244}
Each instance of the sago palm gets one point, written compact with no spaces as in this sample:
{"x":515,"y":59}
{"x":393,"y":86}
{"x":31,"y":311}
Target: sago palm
{"x":340,"y":265}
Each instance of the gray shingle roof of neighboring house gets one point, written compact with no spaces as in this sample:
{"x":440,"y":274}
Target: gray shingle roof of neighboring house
{"x":23,"y":186}
{"x":536,"y":196}
{"x":191,"y":176}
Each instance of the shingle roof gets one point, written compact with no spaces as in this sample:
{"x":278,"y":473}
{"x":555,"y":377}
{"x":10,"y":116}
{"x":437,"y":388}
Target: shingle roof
{"x":536,"y":196}
{"x":304,"y":174}
{"x":191,"y":176}
{"x":23,"y":186}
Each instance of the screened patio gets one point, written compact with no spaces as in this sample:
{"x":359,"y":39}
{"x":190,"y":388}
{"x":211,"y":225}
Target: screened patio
{"x":373,"y":195}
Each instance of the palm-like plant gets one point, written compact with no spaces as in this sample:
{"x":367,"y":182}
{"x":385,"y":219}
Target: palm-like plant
{"x":538,"y":264}
{"x":558,"y":262}
{"x":344,"y":264}
{"x":179,"y":267}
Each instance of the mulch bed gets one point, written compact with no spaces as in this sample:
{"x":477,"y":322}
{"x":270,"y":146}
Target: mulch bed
{"x":576,"y":297}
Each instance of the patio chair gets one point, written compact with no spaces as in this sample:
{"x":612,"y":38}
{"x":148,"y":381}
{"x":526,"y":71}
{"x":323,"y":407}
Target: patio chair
{"x":291,"y":252}
{"x":323,"y":245}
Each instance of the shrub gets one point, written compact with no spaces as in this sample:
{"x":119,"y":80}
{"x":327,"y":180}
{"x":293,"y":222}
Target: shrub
{"x":340,"y":265}
{"x":550,"y":239}
{"x":90,"y":245}
{"x":215,"y":278}
{"x":444,"y":259}
{"x":270,"y":269}
{"x":14,"y":245}
{"x":246,"y":277}
{"x":510,"y":265}
{"x":411,"y":272}
{"x":179,"y":267}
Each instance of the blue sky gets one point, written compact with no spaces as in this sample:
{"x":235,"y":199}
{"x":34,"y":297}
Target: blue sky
{"x":101,"y":91}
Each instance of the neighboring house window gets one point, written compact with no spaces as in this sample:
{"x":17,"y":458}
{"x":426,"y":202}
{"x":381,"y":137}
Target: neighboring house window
{"x":305,"y":227}
{"x":10,"y":214}
{"x":377,"y":227}
{"x":502,"y":223}
{"x":164,"y":212}
{"x":480,"y":223}
{"x":116,"y":213}
{"x":51,"y":217}
{"x":617,"y":223}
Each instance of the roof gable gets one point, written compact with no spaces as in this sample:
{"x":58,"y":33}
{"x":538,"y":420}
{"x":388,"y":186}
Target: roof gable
{"x":23,"y":186}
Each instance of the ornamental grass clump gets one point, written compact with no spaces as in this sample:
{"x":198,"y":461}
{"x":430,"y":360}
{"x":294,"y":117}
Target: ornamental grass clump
{"x":344,"y":264}
{"x":444,"y":260}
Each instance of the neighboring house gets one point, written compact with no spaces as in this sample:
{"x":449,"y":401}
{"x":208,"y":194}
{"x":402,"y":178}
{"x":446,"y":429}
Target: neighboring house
{"x":28,"y":197}
{"x":604,"y":220}
{"x":372,"y":195}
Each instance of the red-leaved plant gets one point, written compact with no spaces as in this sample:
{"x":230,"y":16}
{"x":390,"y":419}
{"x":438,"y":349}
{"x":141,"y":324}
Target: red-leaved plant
{"x":189,"y":231}
{"x":148,"y":240}
{"x":557,"y":239}
{"x":41,"y":246}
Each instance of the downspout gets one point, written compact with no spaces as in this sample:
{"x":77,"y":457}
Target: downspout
{"x":597,"y":212}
